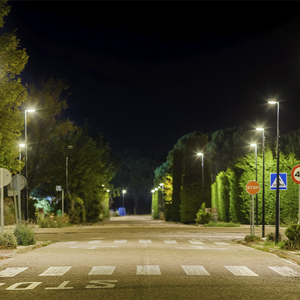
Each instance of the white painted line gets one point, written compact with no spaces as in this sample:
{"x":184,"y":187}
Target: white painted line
{"x":94,"y":247}
{"x":285,"y":271}
{"x":195,"y":270}
{"x":240,"y":271}
{"x":102,"y":284}
{"x":190,"y":248}
{"x":62,"y":286}
{"x":11,"y":272}
{"x":94,"y":242}
{"x":195,"y":242}
{"x":221,"y":244}
{"x":145,"y":241}
{"x":55,"y":271}
{"x":170,"y":241}
{"x":148,"y":270}
{"x":70,"y":243}
{"x":120,"y":241}
{"x":102,"y":270}
{"x":30,"y":286}
{"x":1,"y":283}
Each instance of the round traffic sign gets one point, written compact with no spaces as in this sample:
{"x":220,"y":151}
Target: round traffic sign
{"x":6,"y":177}
{"x":296,"y":174}
{"x":252,"y":187}
{"x":19,"y":182}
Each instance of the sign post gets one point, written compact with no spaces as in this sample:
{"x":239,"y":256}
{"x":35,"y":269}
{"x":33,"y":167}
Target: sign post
{"x":5,"y":178}
{"x":252,"y":187}
{"x":296,"y":177}
{"x":60,"y":189}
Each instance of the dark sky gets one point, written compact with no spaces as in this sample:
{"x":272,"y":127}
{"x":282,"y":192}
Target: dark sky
{"x":146,"y":73}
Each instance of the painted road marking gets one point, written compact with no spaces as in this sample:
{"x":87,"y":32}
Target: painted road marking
{"x":94,"y":242}
{"x":195,"y":270}
{"x":28,"y":286}
{"x":93,"y":247}
{"x":145,"y":241}
{"x":1,"y":283}
{"x":11,"y":272}
{"x":69,"y":243}
{"x":120,"y":241}
{"x":192,"y":247}
{"x":103,"y":284}
{"x":285,"y":271}
{"x":55,"y":271}
{"x":198,"y":242}
{"x":102,"y":270}
{"x":62,"y":286}
{"x":148,"y":270}
{"x":170,"y":241}
{"x":240,"y":271}
{"x":221,"y":244}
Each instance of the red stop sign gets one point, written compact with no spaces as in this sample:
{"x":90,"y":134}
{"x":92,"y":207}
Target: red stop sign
{"x":252,"y":187}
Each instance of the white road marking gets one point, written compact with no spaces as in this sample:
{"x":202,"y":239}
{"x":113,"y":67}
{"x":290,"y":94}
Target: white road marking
{"x":120,"y":241}
{"x":104,"y":284}
{"x":30,"y":286}
{"x":1,"y":283}
{"x":285,"y":271}
{"x":11,"y":272}
{"x":102,"y":270}
{"x":145,"y":241}
{"x":221,"y":244}
{"x":240,"y":271}
{"x":198,"y":242}
{"x":148,"y":270}
{"x":192,"y":247}
{"x":55,"y":271}
{"x":93,"y":247}
{"x":70,"y":243}
{"x":62,"y":286}
{"x":170,"y":241}
{"x":195,"y":270}
{"x":94,"y":242}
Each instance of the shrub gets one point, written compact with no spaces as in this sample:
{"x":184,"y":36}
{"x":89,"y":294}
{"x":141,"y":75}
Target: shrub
{"x":293,"y":235}
{"x":203,"y":217}
{"x":222,"y":224}
{"x":24,"y":235}
{"x":251,"y":238}
{"x":52,"y":221}
{"x":8,"y":241}
{"x":271,"y":237}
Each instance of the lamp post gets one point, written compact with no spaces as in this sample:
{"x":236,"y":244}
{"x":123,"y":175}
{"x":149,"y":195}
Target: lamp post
{"x":277,"y":179}
{"x":201,"y":154}
{"x":256,"y":200}
{"x":263,"y":190}
{"x":123,"y":193}
{"x":26,"y":168}
{"x":162,"y":196}
{"x":19,"y":192}
{"x":67,"y":177}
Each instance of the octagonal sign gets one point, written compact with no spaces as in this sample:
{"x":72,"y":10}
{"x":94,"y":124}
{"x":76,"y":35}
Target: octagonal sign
{"x":252,"y":187}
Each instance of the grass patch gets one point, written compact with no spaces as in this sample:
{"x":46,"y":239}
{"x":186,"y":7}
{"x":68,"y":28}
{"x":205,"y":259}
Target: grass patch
{"x":24,"y":235}
{"x":221,"y":224}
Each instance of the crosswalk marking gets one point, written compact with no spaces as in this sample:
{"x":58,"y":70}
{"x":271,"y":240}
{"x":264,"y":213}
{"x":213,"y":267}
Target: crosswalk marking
{"x":55,"y":271}
{"x":94,"y":242}
{"x":195,"y":242}
{"x":170,"y":241}
{"x":148,"y":270}
{"x":120,"y":241}
{"x":70,"y":243}
{"x":11,"y":272}
{"x":240,"y":271}
{"x":221,"y":244}
{"x":195,"y":270}
{"x":145,"y":241}
{"x":102,"y":270}
{"x":285,"y":271}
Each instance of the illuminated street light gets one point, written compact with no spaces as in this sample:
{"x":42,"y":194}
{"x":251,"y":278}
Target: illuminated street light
{"x":256,"y":199}
{"x":201,"y":154}
{"x":26,"y":168}
{"x":263,"y":191}
{"x":277,"y":178}
{"x":123,"y":193}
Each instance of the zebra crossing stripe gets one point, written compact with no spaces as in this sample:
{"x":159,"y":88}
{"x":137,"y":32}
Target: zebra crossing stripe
{"x":240,"y":271}
{"x":221,"y":244}
{"x":170,"y":242}
{"x":195,"y":242}
{"x":70,"y":243}
{"x":1,"y":283}
{"x":145,"y":241}
{"x":195,"y":270}
{"x":148,"y":270}
{"x":285,"y":271}
{"x":94,"y":242}
{"x":55,"y":271}
{"x":102,"y":270}
{"x":120,"y":241}
{"x":11,"y":272}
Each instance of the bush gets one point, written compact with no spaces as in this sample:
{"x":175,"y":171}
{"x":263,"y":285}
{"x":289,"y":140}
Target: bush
{"x":293,"y":235}
{"x":271,"y":237}
{"x":222,"y":224}
{"x":8,"y":241}
{"x":24,"y":235}
{"x":251,"y":238}
{"x":51,"y":221}
{"x":203,"y":217}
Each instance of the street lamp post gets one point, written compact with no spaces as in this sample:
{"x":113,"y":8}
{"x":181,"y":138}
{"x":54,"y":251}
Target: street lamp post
{"x":67,"y":176}
{"x":256,"y":199}
{"x":26,"y":168}
{"x":123,"y":193}
{"x":201,"y":154}
{"x":263,"y":190}
{"x":277,"y":179}
{"x":19,"y":192}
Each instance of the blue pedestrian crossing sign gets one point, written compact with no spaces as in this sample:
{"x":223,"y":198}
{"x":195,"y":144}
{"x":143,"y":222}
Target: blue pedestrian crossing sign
{"x":282,"y":181}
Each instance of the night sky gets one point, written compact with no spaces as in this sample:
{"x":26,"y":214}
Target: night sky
{"x":146,"y":73}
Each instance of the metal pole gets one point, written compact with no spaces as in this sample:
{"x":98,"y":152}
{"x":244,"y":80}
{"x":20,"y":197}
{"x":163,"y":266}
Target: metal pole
{"x":202,"y":178}
{"x":299,"y":206}
{"x":2,"y":201}
{"x":67,"y":180}
{"x":62,"y":202}
{"x":263,"y":195}
{"x":252,"y":214}
{"x":277,"y":181}
{"x":26,"y":171}
{"x":256,"y":181}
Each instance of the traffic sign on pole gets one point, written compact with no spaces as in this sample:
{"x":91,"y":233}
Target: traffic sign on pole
{"x":252,"y":187}
{"x":296,"y":174}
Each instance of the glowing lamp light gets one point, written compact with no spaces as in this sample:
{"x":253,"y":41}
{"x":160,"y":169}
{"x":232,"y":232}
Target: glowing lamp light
{"x":253,"y":145}
{"x":199,"y":154}
{"x":30,"y":109}
{"x":260,"y":129}
{"x":124,"y":191}
{"x":21,"y":145}
{"x":152,"y":191}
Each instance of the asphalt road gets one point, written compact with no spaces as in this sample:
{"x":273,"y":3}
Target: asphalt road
{"x":139,"y":258}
